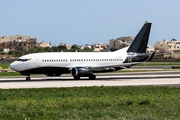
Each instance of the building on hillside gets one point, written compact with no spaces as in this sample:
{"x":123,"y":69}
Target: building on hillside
{"x":81,"y":47}
{"x":43,"y":44}
{"x":99,"y":47}
{"x":8,"y":38}
{"x":4,"y":50}
{"x":88,"y":45}
{"x":167,"y":46}
{"x":65,"y":44}
{"x":120,"y":43}
{"x":11,"y":42}
{"x":149,"y":49}
{"x":175,"y":54}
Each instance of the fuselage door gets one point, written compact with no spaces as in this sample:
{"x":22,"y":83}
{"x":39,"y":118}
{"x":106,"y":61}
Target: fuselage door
{"x":37,"y":61}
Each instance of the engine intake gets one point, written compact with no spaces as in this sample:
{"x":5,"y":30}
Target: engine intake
{"x":81,"y":72}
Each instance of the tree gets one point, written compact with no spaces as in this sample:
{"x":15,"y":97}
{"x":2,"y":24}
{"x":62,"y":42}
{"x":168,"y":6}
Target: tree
{"x":19,"y":53}
{"x":87,"y":49}
{"x":48,"y":49}
{"x":40,"y":49}
{"x":62,"y":48}
{"x":113,"y":49}
{"x":19,"y":48}
{"x":10,"y":52}
{"x":74,"y":46}
{"x":31,"y":50}
{"x":55,"y":49}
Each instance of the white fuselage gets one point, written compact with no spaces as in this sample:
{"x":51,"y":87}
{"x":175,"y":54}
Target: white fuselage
{"x":69,"y":60}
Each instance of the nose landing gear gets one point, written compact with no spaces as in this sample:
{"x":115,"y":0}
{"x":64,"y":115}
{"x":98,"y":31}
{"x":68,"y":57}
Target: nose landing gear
{"x":28,"y":78}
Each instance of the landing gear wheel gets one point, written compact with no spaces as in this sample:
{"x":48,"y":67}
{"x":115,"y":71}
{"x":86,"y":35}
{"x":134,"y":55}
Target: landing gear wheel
{"x":28,"y":78}
{"x":92,"y":77}
{"x":76,"y":77}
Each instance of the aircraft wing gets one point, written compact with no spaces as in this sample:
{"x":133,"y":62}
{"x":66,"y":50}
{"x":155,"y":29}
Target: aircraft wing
{"x":113,"y":67}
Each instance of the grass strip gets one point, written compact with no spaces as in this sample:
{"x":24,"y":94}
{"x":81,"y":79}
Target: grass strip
{"x":6,"y":74}
{"x":124,"y":71}
{"x":4,"y":65}
{"x":159,"y":64}
{"x":90,"y":103}
{"x":9,"y":74}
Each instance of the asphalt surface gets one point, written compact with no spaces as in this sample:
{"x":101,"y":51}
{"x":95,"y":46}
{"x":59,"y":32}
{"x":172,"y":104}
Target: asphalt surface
{"x":162,"y":78}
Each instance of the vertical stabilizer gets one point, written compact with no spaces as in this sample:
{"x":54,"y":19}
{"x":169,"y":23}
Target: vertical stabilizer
{"x":139,"y":44}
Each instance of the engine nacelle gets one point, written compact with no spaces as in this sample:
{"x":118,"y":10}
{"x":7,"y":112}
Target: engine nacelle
{"x":81,"y":72}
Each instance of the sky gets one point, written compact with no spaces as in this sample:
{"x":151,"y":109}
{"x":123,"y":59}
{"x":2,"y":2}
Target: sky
{"x":89,"y":21}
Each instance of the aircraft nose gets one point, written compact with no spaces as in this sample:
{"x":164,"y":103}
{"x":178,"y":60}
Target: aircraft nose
{"x":12,"y":66}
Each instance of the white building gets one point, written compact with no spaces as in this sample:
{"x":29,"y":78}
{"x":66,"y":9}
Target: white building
{"x":120,"y":42}
{"x":167,"y":46}
{"x":150,"y":49}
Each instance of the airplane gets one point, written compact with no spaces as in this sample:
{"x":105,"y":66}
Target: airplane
{"x":86,"y":64}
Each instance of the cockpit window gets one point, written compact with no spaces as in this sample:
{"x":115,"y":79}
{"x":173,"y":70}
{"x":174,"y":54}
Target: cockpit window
{"x":23,"y":60}
{"x":18,"y":59}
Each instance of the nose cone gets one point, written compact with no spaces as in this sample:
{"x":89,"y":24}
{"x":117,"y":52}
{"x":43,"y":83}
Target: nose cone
{"x":13,"y":66}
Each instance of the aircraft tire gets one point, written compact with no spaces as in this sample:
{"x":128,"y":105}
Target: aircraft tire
{"x":92,"y":77}
{"x":76,"y":77}
{"x":28,"y":78}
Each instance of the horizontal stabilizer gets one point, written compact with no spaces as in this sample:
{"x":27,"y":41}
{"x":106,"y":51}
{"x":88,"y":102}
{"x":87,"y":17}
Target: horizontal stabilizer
{"x":151,"y":57}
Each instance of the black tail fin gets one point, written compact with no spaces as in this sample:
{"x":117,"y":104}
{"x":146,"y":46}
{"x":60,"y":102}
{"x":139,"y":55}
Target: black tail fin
{"x":139,"y":44}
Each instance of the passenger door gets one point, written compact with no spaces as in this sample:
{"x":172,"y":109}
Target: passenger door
{"x":37,"y":61}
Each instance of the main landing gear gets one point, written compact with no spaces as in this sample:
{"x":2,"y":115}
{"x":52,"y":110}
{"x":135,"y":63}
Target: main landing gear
{"x":28,"y":78}
{"x":92,"y":77}
{"x":76,"y":77}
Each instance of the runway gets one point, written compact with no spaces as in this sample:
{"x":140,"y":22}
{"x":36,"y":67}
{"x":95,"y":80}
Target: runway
{"x":170,"y":78}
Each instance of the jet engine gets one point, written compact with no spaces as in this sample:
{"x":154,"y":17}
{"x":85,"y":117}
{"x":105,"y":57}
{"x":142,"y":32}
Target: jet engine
{"x":81,"y":72}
